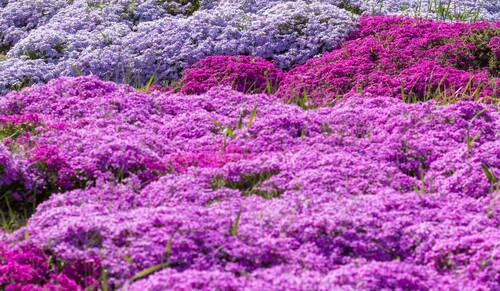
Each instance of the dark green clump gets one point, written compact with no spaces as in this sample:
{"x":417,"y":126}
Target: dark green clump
{"x":347,"y":5}
{"x":39,"y":54}
{"x":184,"y":7}
{"x":20,"y":84}
{"x":248,"y":184}
{"x":483,"y":55}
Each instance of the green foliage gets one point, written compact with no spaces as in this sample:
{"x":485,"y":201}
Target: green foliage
{"x":347,"y":5}
{"x":252,"y":116}
{"x":248,"y":184}
{"x":15,"y":131}
{"x":234,"y":229}
{"x":95,"y":4}
{"x":12,"y":218}
{"x":38,"y":54}
{"x":305,"y":101}
{"x":326,"y":129}
{"x":20,"y":84}
{"x":194,"y":5}
{"x":483,"y":56}
{"x":468,"y":139}
{"x":494,"y":190}
{"x":160,"y":266}
{"x":149,"y":271}
{"x":78,"y":73}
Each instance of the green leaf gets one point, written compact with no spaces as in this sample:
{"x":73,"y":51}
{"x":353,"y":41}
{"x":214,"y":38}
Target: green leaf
{"x":106,"y":40}
{"x":478,"y":114}
{"x":239,"y":124}
{"x":217,"y":124}
{"x":304,"y":100}
{"x":234,"y":230}
{"x":470,"y":141}
{"x":476,"y":16}
{"x":104,"y":280}
{"x":78,"y":73}
{"x":168,"y":248}
{"x":228,"y":131}
{"x":11,"y":212}
{"x":268,"y":84}
{"x":149,"y":271}
{"x":252,"y":116}
{"x":476,"y":137}
{"x":488,"y":174}
{"x":50,"y":261}
{"x":5,"y":223}
{"x":403,"y":97}
{"x":467,"y":86}
{"x":127,"y":259}
{"x":441,"y":83}
{"x":150,"y":81}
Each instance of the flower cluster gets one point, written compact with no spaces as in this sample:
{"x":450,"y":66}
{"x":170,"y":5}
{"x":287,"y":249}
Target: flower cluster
{"x":130,"y":43}
{"x":405,"y":58}
{"x":201,"y":186}
{"x":443,"y":10}
{"x":9,"y":172}
{"x":29,"y":268}
{"x":201,"y":172}
{"x":242,"y":73}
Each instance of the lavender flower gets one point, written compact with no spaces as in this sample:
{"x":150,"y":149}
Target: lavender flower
{"x":336,"y":196}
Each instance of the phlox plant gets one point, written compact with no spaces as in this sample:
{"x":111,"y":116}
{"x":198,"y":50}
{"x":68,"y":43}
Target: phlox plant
{"x":29,"y":268}
{"x":242,"y":73}
{"x":249,"y":145}
{"x":410,"y":59}
{"x":269,"y":190}
{"x":442,"y":10}
{"x":127,"y":43}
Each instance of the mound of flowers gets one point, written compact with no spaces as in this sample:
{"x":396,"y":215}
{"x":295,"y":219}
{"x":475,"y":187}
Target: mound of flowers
{"x":130,"y":42}
{"x":242,"y":73}
{"x":231,"y":190}
{"x":255,"y":145}
{"x":133,"y":41}
{"x":407,"y":58}
{"x":29,"y":268}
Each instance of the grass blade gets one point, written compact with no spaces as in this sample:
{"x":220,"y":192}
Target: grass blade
{"x":217,"y":124}
{"x":252,"y":116}
{"x":268,"y":83}
{"x":150,"y":81}
{"x":403,"y":97}
{"x":104,"y":280}
{"x":149,"y":271}
{"x":78,"y":73}
{"x":127,"y":259}
{"x":478,"y":114}
{"x":467,"y":86}
{"x":227,"y":131}
{"x":11,"y":212}
{"x":5,"y":223}
{"x":239,"y":123}
{"x":476,"y":136}
{"x":476,"y":16}
{"x":168,"y":248}
{"x":488,"y":174}
{"x":234,"y":230}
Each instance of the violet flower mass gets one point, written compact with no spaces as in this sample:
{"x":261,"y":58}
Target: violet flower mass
{"x":249,"y":144}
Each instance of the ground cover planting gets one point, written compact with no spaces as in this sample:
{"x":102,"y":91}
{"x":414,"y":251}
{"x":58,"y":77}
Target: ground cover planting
{"x":253,"y":145}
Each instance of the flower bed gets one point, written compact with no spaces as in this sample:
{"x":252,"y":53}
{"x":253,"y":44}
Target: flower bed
{"x":255,"y":145}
